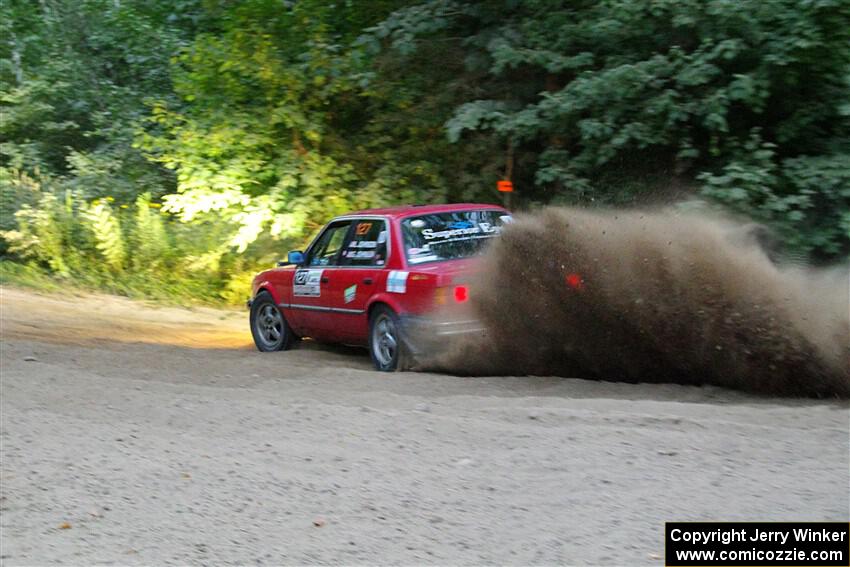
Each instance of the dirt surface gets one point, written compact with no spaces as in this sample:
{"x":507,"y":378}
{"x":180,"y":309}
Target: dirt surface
{"x":137,"y":434}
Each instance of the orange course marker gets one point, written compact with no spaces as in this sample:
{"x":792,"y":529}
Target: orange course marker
{"x":505,"y":186}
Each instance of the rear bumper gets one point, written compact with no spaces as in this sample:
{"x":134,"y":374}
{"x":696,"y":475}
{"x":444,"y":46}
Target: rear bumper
{"x":448,"y":328}
{"x":424,"y":334}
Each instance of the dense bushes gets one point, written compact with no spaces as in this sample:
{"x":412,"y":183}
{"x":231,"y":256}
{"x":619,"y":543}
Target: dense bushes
{"x":163,"y":146}
{"x":131,"y":249}
{"x":744,"y":102}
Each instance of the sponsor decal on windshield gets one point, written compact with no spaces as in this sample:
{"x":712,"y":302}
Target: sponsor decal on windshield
{"x":419,"y":255}
{"x":482,"y":229}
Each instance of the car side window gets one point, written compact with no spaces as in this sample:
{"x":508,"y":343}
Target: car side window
{"x":366,"y":245}
{"x":324,"y":252}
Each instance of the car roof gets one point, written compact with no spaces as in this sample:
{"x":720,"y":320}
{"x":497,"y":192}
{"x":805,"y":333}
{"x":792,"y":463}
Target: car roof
{"x":414,"y":210}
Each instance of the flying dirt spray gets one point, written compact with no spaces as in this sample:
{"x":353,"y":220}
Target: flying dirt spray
{"x":654,"y":297}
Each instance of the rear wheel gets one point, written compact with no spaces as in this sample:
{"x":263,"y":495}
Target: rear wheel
{"x":385,"y":344}
{"x":268,"y":325}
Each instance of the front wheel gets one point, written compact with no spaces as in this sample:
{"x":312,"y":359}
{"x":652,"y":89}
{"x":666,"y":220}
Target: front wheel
{"x":268,"y":326}
{"x":385,"y":343}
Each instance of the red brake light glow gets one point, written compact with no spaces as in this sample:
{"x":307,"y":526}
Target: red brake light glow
{"x":574,"y":281}
{"x":461,"y":293}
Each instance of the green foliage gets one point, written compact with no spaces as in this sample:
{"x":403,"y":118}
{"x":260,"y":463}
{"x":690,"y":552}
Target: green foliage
{"x":170,"y":147}
{"x":591,"y":93}
{"x":74,"y":76}
{"x":42,"y":234}
{"x":16,"y":190}
{"x":134,"y":249}
{"x":105,"y":228}
{"x":151,"y":248}
{"x":27,"y":275}
{"x":815,"y":208}
{"x":807,"y":199}
{"x":257,"y":138}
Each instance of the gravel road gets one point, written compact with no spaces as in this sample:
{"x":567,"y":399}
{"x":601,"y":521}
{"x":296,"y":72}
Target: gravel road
{"x":139,"y":434}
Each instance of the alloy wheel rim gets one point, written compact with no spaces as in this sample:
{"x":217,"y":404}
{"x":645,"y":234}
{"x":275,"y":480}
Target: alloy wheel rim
{"x":269,"y":325}
{"x":384,"y":341}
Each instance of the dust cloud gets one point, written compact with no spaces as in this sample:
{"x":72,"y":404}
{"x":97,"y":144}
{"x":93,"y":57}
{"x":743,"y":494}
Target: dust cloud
{"x":656,"y":296}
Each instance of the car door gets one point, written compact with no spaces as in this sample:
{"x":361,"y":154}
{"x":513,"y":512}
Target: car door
{"x":361,"y":268}
{"x":311,"y":300}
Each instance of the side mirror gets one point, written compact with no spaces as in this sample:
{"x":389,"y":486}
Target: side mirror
{"x":295,"y":257}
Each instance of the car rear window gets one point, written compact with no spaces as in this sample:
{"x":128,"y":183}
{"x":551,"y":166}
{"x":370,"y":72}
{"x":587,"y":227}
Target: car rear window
{"x":450,"y":236}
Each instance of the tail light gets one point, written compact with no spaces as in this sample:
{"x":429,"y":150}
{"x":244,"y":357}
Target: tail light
{"x":461,"y":293}
{"x":574,"y":281}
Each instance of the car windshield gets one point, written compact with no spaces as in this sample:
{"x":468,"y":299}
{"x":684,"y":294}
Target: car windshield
{"x":449,"y":236}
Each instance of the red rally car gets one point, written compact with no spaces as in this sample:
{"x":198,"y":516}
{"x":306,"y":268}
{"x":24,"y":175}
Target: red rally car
{"x":368,"y":273}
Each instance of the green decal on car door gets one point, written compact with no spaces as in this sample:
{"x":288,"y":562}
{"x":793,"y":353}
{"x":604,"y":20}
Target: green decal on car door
{"x":350,"y":293}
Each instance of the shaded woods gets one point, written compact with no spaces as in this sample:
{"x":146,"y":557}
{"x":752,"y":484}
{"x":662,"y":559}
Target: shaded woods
{"x":168,"y":148}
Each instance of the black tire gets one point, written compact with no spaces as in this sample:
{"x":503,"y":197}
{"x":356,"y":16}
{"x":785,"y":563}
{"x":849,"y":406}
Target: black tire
{"x":269,"y":328}
{"x":386,"y":346}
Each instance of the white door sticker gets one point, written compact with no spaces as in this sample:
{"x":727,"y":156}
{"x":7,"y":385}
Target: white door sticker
{"x":307,"y":283}
{"x":397,"y":282}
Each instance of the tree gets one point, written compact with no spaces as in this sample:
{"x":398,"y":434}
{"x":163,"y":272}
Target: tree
{"x":263,"y":135}
{"x":598,"y":97}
